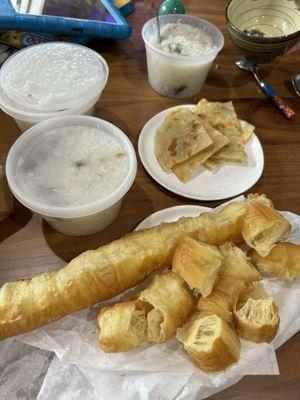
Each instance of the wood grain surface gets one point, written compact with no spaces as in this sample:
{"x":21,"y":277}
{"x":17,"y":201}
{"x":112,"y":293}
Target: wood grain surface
{"x":29,"y":246}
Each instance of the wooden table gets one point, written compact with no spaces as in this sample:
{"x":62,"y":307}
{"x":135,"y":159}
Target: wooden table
{"x":29,"y":246}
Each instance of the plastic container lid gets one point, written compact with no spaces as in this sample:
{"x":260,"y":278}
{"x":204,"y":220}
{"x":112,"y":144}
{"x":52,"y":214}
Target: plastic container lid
{"x":34,"y":134}
{"x":54,"y":76}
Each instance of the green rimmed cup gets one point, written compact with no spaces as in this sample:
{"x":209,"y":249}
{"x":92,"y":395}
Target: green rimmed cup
{"x":263,"y":29}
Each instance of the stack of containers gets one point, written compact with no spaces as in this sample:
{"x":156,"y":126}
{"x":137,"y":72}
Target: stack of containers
{"x":64,"y":166}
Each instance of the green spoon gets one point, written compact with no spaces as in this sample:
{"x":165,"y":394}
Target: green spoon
{"x":171,"y":7}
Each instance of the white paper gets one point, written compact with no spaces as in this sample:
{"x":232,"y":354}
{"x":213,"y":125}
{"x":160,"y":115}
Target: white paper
{"x":22,"y":370}
{"x":152,"y":372}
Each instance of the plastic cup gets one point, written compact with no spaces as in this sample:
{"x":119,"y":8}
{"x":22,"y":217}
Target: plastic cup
{"x":178,"y":76}
{"x":29,"y":111}
{"x":72,"y":220}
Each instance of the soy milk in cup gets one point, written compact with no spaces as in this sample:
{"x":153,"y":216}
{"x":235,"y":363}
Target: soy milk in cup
{"x":49,"y":80}
{"x":73,"y":171}
{"x":178,"y":65}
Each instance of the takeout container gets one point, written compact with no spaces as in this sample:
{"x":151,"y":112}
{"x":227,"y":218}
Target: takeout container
{"x":27,"y":113}
{"x":279,"y":18}
{"x":178,"y":76}
{"x":73,"y":220}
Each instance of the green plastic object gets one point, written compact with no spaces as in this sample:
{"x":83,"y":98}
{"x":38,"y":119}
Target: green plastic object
{"x":171,"y":7}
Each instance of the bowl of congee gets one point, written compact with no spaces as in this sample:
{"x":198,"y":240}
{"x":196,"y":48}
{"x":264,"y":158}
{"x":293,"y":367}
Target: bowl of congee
{"x":180,"y":53}
{"x":73,"y":171}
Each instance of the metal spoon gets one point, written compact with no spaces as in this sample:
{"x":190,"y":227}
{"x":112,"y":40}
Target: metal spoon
{"x":157,"y":21}
{"x":250,"y":67}
{"x":296,"y":83}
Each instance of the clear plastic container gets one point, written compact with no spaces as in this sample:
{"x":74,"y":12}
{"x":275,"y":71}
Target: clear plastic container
{"x":75,"y":220}
{"x":50,"y":80}
{"x":179,"y":76}
{"x":25,"y":119}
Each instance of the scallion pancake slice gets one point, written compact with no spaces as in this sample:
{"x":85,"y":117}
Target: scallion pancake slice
{"x":181,"y":136}
{"x":221,"y":116}
{"x":187,"y":168}
{"x":211,"y":164}
{"x":233,"y":152}
{"x":247,"y":130}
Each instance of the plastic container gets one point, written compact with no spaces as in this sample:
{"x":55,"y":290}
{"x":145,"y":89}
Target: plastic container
{"x":50,"y":80}
{"x":179,"y":76}
{"x":25,"y":119}
{"x":75,"y":220}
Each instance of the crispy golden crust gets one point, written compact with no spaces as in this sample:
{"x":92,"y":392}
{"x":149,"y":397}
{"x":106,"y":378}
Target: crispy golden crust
{"x":247,"y":130}
{"x":198,"y":264}
{"x":263,"y":227}
{"x":237,"y":264}
{"x":226,"y":225}
{"x":212,"y":164}
{"x":100,"y":274}
{"x":222,"y":116}
{"x":123,"y":326}
{"x":223,"y":297}
{"x":283,"y":261}
{"x":170,"y":304}
{"x":235,"y":274}
{"x":259,"y":198}
{"x":181,"y":136}
{"x":256,"y":315}
{"x":210,"y":342}
{"x":232,"y":152}
{"x":187,"y":168}
{"x":93,"y":276}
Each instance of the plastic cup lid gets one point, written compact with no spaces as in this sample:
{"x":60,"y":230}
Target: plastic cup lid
{"x":53,"y":76}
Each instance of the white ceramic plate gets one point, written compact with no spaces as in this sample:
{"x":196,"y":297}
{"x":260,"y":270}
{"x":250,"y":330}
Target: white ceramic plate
{"x":227,"y":181}
{"x":171,"y":214}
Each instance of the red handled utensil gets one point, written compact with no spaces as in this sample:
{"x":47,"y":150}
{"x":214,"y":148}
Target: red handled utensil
{"x":284,"y":108}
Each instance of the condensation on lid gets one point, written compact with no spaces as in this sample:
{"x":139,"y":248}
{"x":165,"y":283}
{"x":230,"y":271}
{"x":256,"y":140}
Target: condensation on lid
{"x":53,"y":76}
